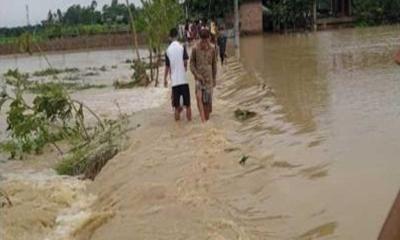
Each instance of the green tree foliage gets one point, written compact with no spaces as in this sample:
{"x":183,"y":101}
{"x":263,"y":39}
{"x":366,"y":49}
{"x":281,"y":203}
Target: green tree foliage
{"x":199,"y":9}
{"x":81,"y":15}
{"x":77,"y":20}
{"x":32,"y":126}
{"x":373,"y":12}
{"x":291,"y":14}
{"x":117,"y":12}
{"x":156,"y":19}
{"x":51,"y":116}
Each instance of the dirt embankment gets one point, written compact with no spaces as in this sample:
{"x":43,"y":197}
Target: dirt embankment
{"x":74,"y":43}
{"x":175,"y":181}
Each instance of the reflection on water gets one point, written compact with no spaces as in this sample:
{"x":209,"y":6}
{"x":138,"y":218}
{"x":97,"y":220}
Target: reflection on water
{"x":332,"y":124}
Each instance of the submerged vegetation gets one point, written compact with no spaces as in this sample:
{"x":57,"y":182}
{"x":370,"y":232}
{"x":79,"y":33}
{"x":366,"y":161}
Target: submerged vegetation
{"x":50,"y":117}
{"x":243,"y":115}
{"x":36,"y":87}
{"x":89,"y":158}
{"x":54,"y":118}
{"x":54,"y":71}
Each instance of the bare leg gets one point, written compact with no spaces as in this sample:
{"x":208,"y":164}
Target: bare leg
{"x":200,"y":105}
{"x":189,"y":113}
{"x":178,"y":111}
{"x":207,"y":111}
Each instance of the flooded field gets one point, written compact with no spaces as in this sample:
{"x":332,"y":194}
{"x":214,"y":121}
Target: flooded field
{"x":332,"y":129}
{"x":93,"y":72}
{"x":319,"y":160}
{"x":46,"y":206}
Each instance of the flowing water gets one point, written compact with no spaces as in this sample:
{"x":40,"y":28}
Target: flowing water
{"x":46,"y":206}
{"x":333,"y":128}
{"x":319,"y":160}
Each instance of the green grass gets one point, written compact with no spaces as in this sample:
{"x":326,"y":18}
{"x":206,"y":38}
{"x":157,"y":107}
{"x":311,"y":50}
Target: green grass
{"x":14,"y":40}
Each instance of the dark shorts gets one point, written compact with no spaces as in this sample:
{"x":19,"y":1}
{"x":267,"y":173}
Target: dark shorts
{"x":178,"y":92}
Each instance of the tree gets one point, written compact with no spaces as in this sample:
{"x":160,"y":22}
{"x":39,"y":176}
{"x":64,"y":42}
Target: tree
{"x":209,"y":8}
{"x":59,"y":16}
{"x":156,"y":20}
{"x":291,"y":14}
{"x":93,"y":5}
{"x":134,"y":33}
{"x":50,"y":18}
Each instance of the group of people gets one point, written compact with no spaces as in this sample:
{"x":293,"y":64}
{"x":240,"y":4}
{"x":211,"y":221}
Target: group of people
{"x":203,"y":65}
{"x":190,"y":32}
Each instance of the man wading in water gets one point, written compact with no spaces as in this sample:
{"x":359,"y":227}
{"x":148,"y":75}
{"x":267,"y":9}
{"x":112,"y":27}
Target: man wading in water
{"x":176,"y":63}
{"x":203,"y":64}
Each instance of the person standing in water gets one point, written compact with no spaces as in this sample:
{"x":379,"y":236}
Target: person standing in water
{"x":222,"y":39}
{"x":176,"y":58}
{"x":203,"y":65}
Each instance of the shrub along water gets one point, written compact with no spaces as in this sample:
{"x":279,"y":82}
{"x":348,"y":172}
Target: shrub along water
{"x":51,"y":117}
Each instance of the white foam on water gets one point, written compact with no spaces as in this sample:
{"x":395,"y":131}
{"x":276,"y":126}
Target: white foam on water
{"x":69,"y":193}
{"x":71,"y":218}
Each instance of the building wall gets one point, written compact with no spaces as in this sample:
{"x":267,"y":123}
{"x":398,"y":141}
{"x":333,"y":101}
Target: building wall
{"x":251,"y":17}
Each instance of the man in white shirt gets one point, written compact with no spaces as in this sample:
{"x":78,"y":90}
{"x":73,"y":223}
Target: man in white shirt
{"x":176,"y":58}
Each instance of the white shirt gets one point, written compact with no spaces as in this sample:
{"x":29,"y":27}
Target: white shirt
{"x":175,"y":56}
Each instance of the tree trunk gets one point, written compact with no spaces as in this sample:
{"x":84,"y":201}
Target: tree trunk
{"x":151,"y":65}
{"x":158,"y":66}
{"x":132,"y":23}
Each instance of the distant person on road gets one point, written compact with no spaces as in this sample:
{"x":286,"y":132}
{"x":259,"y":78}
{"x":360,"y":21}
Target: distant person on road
{"x":222,"y":39}
{"x":176,"y":58}
{"x":213,"y":31}
{"x":203,"y":64}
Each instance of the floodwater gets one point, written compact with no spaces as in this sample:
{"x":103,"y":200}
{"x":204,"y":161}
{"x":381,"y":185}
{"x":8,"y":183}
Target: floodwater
{"x":319,"y":160}
{"x":95,"y":67}
{"x":333,"y":129}
{"x":71,"y":59}
{"x":46,"y":206}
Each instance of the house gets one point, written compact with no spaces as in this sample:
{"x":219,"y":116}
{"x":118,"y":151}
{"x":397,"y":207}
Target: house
{"x":251,"y":16}
{"x":333,"y":13}
{"x":327,"y":13}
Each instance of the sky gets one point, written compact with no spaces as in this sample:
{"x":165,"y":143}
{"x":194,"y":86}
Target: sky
{"x":13,"y":12}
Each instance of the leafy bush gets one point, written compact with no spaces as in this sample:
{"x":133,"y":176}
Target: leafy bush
{"x":139,"y":77}
{"x":53,"y":71}
{"x":51,"y":116}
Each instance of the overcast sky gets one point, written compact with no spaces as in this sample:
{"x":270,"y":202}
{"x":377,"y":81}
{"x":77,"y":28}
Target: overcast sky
{"x":13,"y":13}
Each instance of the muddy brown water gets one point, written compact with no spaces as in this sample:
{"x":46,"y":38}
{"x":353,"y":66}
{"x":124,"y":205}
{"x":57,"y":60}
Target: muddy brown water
{"x":333,"y":128}
{"x":323,"y":152}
